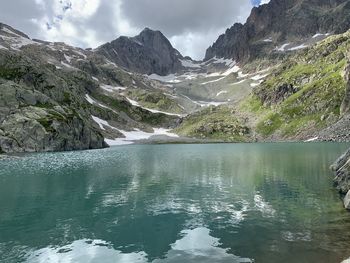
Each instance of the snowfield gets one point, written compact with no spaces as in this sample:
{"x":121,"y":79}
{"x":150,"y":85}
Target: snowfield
{"x":131,"y":136}
{"x":169,"y":78}
{"x":136,"y":135}
{"x":189,"y":64}
{"x":135,"y":103}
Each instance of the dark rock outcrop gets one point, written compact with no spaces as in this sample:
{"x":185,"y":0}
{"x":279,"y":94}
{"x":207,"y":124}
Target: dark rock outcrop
{"x":279,"y":22}
{"x":281,"y":93}
{"x":341,"y":167}
{"x":149,"y":52}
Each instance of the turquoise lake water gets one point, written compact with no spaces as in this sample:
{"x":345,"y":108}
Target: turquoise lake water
{"x":175,"y":203}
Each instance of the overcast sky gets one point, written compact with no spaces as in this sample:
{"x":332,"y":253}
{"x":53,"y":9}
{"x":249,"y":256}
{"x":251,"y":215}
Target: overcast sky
{"x":191,"y":25}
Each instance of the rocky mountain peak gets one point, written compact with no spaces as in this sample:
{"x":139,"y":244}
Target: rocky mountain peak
{"x":278,"y":23}
{"x":149,"y":31}
{"x":149,"y":52}
{"x":154,"y":39}
{"x":147,"y":34}
{"x":10,"y":31}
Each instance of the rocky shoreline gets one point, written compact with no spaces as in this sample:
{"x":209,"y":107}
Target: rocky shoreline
{"x":341,"y":167}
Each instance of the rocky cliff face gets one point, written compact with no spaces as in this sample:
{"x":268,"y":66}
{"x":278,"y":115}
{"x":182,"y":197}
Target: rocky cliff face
{"x":278,"y":23}
{"x":149,"y":52}
{"x":36,"y":112}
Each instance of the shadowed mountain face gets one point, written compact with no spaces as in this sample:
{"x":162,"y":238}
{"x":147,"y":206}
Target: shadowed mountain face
{"x":281,"y":22}
{"x":149,"y":52}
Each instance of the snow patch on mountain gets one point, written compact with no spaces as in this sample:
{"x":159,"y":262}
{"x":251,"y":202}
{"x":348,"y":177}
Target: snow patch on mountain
{"x":302,"y":46}
{"x":227,"y":62}
{"x":320,"y":35}
{"x":130,"y":136}
{"x":259,"y":77}
{"x":267,"y":40}
{"x":136,"y":135}
{"x":110,"y":88}
{"x":221,"y":92}
{"x":189,"y":64}
{"x":171,"y":78}
{"x":102,"y":123}
{"x":282,"y":48}
{"x":135,"y":103}
{"x":68,"y":58}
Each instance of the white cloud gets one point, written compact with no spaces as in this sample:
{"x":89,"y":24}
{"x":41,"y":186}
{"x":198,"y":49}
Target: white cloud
{"x":195,"y":44}
{"x":64,"y":21}
{"x":83,"y":9}
{"x":191,"y":25}
{"x":122,"y":24}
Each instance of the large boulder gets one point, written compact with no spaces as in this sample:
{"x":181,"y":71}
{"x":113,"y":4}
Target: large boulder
{"x":347,"y":200}
{"x":341,"y":167}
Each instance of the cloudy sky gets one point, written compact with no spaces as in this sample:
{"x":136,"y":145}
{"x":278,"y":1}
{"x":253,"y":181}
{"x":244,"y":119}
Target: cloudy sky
{"x":191,"y":25}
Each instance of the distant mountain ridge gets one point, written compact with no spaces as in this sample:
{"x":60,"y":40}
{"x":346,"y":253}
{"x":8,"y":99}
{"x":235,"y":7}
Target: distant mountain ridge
{"x":281,"y":22}
{"x":149,"y":52}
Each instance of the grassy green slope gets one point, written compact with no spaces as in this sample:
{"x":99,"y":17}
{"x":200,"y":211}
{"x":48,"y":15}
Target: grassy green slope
{"x":215,"y":123}
{"x":302,"y":96}
{"x":305,"y":92}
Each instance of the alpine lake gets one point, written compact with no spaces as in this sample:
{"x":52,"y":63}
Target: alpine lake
{"x":262,"y":203}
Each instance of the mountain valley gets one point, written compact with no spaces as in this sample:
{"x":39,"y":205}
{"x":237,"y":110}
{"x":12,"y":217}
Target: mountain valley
{"x":293,"y":88}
